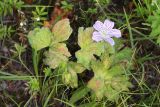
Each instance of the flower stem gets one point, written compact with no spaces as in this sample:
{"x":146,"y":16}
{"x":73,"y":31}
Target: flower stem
{"x":35,"y":62}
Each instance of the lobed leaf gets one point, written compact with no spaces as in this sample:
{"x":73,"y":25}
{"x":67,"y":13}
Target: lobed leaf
{"x":39,"y":38}
{"x":61,"y":30}
{"x":69,"y":76}
{"x":58,"y":52}
{"x":110,"y":79}
{"x":56,"y":55}
{"x":85,"y":36}
{"x":89,"y":48}
{"x":124,"y":55}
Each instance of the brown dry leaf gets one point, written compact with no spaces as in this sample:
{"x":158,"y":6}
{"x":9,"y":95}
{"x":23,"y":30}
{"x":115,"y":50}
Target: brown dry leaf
{"x":46,"y":24}
{"x":57,"y":13}
{"x":28,"y":1}
{"x":22,"y":38}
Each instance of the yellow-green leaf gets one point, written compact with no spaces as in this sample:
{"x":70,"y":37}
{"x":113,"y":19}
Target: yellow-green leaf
{"x":85,"y":36}
{"x":76,"y":67}
{"x":39,"y":38}
{"x":86,"y":54}
{"x":61,"y":30}
{"x":70,"y":71}
{"x":70,"y":78}
{"x":108,"y":80}
{"x":57,"y":54}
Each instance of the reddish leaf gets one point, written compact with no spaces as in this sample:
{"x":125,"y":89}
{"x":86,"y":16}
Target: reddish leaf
{"x":58,"y":13}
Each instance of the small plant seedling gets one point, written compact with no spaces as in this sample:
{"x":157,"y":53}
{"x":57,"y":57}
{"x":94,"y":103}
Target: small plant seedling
{"x":33,"y":85}
{"x":39,"y":15}
{"x":19,"y":48}
{"x":5,"y":31}
{"x":6,"y":6}
{"x":66,"y":6}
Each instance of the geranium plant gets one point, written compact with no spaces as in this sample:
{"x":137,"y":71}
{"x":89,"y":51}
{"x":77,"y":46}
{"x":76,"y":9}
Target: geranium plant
{"x":99,"y":53}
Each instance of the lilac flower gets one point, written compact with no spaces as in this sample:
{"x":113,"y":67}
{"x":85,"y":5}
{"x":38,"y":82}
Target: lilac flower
{"x":104,"y":31}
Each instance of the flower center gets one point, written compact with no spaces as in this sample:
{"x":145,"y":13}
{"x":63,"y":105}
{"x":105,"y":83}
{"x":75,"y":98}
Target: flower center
{"x":104,"y":33}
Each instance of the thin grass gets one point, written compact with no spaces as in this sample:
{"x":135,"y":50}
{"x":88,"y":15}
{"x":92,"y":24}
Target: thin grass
{"x":129,"y":29}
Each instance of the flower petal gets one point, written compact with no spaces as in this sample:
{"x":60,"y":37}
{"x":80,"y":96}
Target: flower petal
{"x":114,"y":33}
{"x":98,"y":25}
{"x":110,"y":41}
{"x":108,"y":24}
{"x":97,"y":36}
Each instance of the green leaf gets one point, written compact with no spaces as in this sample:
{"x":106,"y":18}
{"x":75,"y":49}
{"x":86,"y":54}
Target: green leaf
{"x":97,"y":84}
{"x":39,"y":38}
{"x":56,"y":55}
{"x":109,"y":79}
{"x":69,"y":76}
{"x":47,"y":71}
{"x":85,"y":55}
{"x":124,"y":55}
{"x":61,"y":30}
{"x":155,"y":25}
{"x":89,"y":48}
{"x":79,"y":94}
{"x":85,"y":36}
{"x":76,"y":67}
{"x":106,"y":60}
{"x":33,"y":85}
{"x":116,"y":70}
